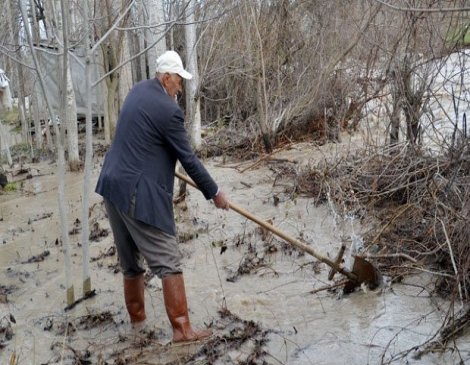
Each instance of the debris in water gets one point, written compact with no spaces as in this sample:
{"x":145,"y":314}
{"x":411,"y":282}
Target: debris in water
{"x":37,"y":258}
{"x":96,"y":232}
{"x":111,"y":251}
{"x":6,"y":331}
{"x":77,"y":226}
{"x":241,"y":338}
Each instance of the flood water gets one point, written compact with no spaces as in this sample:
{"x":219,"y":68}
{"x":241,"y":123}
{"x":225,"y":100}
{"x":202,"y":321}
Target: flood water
{"x":365,"y":327}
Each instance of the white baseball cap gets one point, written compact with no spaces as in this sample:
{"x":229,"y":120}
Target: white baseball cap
{"x":170,"y":62}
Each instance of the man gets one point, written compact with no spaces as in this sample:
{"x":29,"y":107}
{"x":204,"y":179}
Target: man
{"x":136,"y":183}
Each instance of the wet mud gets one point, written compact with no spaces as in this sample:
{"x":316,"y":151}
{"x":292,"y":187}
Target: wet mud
{"x":266,"y":301}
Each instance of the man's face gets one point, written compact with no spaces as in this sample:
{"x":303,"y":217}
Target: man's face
{"x":173,"y":84}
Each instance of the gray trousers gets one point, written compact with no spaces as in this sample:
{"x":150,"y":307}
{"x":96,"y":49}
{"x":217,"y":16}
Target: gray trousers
{"x":136,"y":241}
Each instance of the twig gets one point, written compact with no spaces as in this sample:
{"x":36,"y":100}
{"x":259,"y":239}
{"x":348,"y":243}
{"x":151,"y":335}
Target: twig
{"x":276,"y":287}
{"x":85,"y":297}
{"x":429,"y":271}
{"x":29,"y":176}
{"x":235,"y":167}
{"x":453,"y":261}
{"x":13,"y":359}
{"x":398,"y":254}
{"x":224,"y":299}
{"x":402,"y":210}
{"x":246,"y":184}
{"x":256,"y":163}
{"x":327,"y":287}
{"x":265,"y":157}
{"x":274,"y":159}
{"x":454,"y":327}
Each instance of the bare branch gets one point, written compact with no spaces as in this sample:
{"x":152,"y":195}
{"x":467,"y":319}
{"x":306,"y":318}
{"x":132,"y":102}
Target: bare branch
{"x":423,"y":10}
{"x":120,"y":17}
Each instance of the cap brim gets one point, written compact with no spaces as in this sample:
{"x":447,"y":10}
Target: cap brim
{"x":185,"y":74}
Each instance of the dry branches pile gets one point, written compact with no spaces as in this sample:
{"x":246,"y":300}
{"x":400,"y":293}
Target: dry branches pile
{"x":421,"y":204}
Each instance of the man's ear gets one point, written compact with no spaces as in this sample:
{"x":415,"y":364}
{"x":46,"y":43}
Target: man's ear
{"x":165,"y":79}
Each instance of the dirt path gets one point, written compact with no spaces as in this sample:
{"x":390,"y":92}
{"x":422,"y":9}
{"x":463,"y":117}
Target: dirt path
{"x":253,"y":290}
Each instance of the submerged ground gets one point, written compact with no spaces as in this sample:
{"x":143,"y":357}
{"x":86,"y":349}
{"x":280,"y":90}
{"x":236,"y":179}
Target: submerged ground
{"x":257,"y":293}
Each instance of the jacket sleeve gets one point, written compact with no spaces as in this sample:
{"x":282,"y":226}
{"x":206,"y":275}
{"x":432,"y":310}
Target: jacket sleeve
{"x":177,"y":138}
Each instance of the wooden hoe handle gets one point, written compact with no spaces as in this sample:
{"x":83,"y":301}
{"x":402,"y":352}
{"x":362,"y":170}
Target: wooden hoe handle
{"x":293,"y":241}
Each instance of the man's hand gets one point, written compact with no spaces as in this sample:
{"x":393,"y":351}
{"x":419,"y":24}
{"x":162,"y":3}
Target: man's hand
{"x":221,"y":201}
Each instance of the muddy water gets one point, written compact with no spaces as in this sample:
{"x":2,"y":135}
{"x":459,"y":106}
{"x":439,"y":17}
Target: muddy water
{"x":323,"y":328}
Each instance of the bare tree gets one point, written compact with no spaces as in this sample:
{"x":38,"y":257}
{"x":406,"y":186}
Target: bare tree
{"x":414,"y":60}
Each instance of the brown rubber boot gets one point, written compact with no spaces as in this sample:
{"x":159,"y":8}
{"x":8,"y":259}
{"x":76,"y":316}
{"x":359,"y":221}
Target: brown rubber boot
{"x":134,"y":297}
{"x":176,"y":306}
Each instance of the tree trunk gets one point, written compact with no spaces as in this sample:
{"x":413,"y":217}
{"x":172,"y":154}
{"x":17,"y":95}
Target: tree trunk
{"x":17,"y":72}
{"x":394,"y":124}
{"x":193,"y":113}
{"x":171,"y":39}
{"x":156,"y":16}
{"x":11,"y":29}
{"x":37,"y":121}
{"x":135,"y":46}
{"x":70,"y":124}
{"x":262,"y":92}
{"x":394,"y":113}
{"x":34,"y":99}
{"x":111,"y":51}
{"x":265,"y":136}
{"x":88,"y":159}
{"x":143,"y":59}
{"x":111,"y":106}
{"x":125,"y":73}
{"x":21,"y":98}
